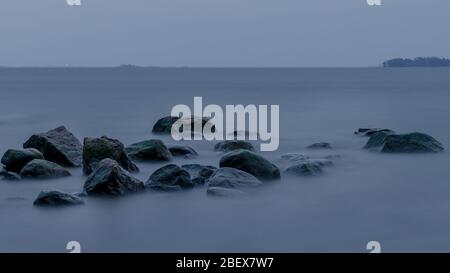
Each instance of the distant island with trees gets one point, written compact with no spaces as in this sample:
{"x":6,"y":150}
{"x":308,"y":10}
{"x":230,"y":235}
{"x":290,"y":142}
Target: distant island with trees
{"x":418,"y":62}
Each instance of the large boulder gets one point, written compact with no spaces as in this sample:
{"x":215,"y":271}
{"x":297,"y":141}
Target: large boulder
{"x":97,"y":149}
{"x":370,"y":131}
{"x":57,"y":198}
{"x":199,"y":173}
{"x":231,"y":145}
{"x":109,"y":178}
{"x":164,"y":125}
{"x":185,"y":151}
{"x":15,"y":160}
{"x":305,"y":169}
{"x":42,"y":169}
{"x":149,"y":150}
{"x":232,"y":178}
{"x":57,"y":145}
{"x":411,"y":143}
{"x":252,"y":163}
{"x":170,"y":178}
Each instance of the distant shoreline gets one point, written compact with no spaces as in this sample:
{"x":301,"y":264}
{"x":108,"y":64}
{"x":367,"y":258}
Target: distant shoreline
{"x":417,"y":62}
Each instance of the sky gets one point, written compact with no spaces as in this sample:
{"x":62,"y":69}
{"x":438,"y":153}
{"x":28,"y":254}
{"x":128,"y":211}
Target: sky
{"x":236,"y":33}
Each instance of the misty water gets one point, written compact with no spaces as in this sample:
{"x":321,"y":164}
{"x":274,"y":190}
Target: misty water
{"x":402,"y":201}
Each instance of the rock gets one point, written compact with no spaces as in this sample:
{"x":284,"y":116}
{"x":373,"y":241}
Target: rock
{"x":411,"y":143}
{"x":320,"y":145}
{"x":322,"y":162}
{"x":199,"y":173}
{"x":170,"y":178}
{"x":10,"y":176}
{"x":41,"y":169}
{"x":294,"y":157}
{"x":164,"y":125}
{"x":57,"y":198}
{"x":231,"y":178}
{"x":57,"y":145}
{"x":97,"y":149}
{"x":149,"y":150}
{"x":224,"y":192}
{"x":15,"y":160}
{"x":305,"y":169}
{"x":371,"y":131}
{"x":376,"y":141}
{"x":252,"y":163}
{"x":109,"y":178}
{"x":231,"y":145}
{"x":186,"y":151}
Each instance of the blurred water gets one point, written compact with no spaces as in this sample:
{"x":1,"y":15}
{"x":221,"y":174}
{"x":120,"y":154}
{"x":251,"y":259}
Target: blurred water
{"x":402,"y":201}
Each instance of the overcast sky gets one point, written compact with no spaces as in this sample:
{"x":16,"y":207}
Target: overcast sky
{"x":221,"y":32}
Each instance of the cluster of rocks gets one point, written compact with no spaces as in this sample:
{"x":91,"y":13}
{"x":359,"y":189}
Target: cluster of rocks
{"x":109,"y":165}
{"x":387,"y":141}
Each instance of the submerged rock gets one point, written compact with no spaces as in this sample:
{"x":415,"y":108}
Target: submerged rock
{"x":231,"y":145}
{"x":411,"y":143}
{"x":305,"y":169}
{"x":232,"y":178}
{"x":10,"y":176}
{"x":371,"y":131}
{"x":224,"y":192}
{"x":57,"y":145}
{"x":57,"y":198}
{"x":149,"y":150}
{"x":294,"y":157}
{"x":320,"y":145}
{"x":186,"y":151}
{"x":199,"y":173}
{"x":97,"y":149}
{"x":252,"y":163}
{"x":41,"y":169}
{"x":15,"y":160}
{"x":164,"y":125}
{"x":109,"y":178}
{"x":170,"y":178}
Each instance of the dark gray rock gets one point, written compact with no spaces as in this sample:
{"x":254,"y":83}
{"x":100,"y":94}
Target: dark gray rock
{"x":224,"y":192}
{"x":57,"y":145}
{"x":109,"y":178}
{"x":57,"y":198}
{"x":320,"y":145}
{"x":199,"y":173}
{"x":371,"y":131}
{"x":252,"y":163}
{"x":376,"y":141}
{"x":43,"y":169}
{"x":15,"y":160}
{"x":10,"y":176}
{"x":164,"y":125}
{"x":149,"y":150}
{"x":97,"y":149}
{"x":305,"y":169}
{"x":232,"y":179}
{"x":170,"y":178}
{"x":185,"y":151}
{"x":411,"y":143}
{"x":231,"y":145}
